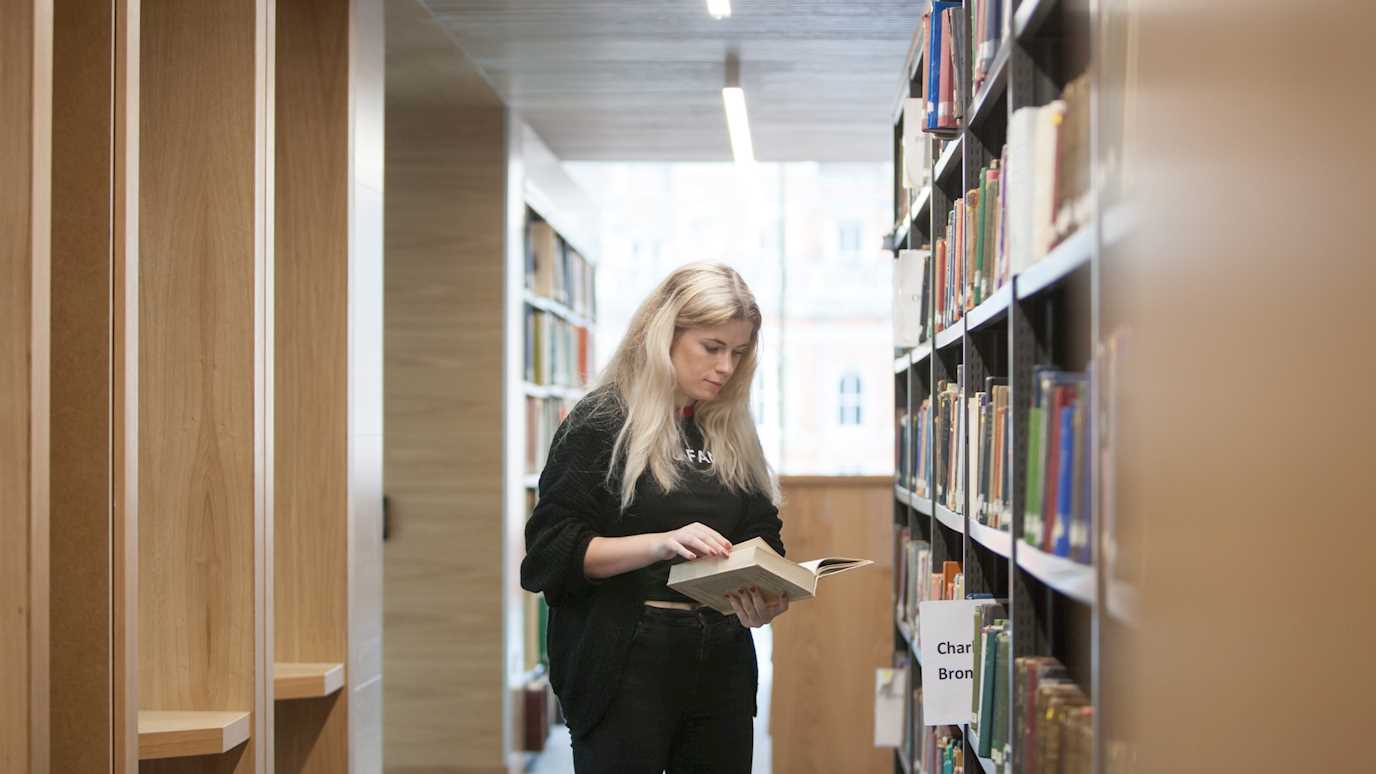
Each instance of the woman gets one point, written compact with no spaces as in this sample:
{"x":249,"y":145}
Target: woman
{"x":659,"y":463}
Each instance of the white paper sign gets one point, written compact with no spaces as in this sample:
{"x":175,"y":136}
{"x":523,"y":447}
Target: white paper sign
{"x":890,"y":687}
{"x":947,"y":633}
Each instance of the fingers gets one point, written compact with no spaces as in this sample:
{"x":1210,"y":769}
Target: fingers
{"x":681,"y":550}
{"x":710,"y":535}
{"x":702,"y":547}
{"x":736,"y":607}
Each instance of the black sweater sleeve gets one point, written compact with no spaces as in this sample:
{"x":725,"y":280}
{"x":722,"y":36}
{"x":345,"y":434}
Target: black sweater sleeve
{"x":573,"y":495}
{"x":762,"y":521}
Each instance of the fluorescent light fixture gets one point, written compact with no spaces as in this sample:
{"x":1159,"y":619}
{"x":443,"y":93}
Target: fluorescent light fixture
{"x":733,"y":97}
{"x":719,"y":9}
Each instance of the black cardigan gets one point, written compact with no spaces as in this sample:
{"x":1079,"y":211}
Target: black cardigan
{"x":591,"y":621}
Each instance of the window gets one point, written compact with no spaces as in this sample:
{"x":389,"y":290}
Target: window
{"x":850,"y":391}
{"x":849,"y":234}
{"x":757,"y":396}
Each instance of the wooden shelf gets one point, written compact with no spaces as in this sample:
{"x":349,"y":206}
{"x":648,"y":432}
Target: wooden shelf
{"x":995,"y":87}
{"x":178,"y":734}
{"x":1031,"y":17}
{"x":950,"y":518}
{"x":1072,"y":579}
{"x":949,"y":335}
{"x":293,"y":680}
{"x":558,"y":309}
{"x":985,"y":763}
{"x":1072,"y":253}
{"x":922,"y":505}
{"x":950,"y":160}
{"x":996,"y":540}
{"x":993,"y":308}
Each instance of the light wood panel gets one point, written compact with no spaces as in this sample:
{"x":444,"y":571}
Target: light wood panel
{"x":445,"y":344}
{"x":311,"y":398}
{"x":185,"y":734}
{"x":82,"y":660}
{"x":204,"y":394}
{"x":25,"y":152}
{"x":826,"y":650}
{"x":304,"y":681}
{"x":1239,"y":469}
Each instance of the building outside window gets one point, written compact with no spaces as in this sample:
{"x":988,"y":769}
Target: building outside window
{"x":851,"y":394}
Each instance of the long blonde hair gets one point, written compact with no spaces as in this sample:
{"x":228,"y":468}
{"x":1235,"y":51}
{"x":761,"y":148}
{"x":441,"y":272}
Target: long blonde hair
{"x":641,"y":379}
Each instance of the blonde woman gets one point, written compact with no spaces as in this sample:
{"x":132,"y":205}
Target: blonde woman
{"x":659,"y":463}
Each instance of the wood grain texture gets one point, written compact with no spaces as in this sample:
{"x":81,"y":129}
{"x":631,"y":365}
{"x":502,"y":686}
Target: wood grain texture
{"x":183,"y":734}
{"x":305,"y":681}
{"x":202,"y":317}
{"x":444,"y":349}
{"x":311,"y":395}
{"x":826,"y":650}
{"x":81,"y":393}
{"x":124,"y":447}
{"x":25,"y":178}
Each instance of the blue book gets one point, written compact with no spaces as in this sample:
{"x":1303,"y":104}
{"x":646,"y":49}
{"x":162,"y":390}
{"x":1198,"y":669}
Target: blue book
{"x":934,"y":60}
{"x":1065,"y":487}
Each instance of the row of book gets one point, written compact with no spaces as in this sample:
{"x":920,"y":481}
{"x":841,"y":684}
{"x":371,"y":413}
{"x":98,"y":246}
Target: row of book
{"x":990,"y":419}
{"x":948,"y":443}
{"x":989,"y":699}
{"x":1047,"y":169}
{"x":941,"y":93}
{"x":557,"y":352}
{"x":911,"y":455}
{"x":918,"y":581}
{"x":986,"y":35}
{"x":1059,"y":448}
{"x":543,"y":417}
{"x":971,"y":260}
{"x":555,"y":270}
{"x":1053,"y":722}
{"x":930,"y":750}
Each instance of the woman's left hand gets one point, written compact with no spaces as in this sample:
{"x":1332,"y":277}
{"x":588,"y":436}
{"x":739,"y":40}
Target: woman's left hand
{"x":756,"y":608}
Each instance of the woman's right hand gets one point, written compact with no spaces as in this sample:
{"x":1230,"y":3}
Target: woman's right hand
{"x":691,"y":542}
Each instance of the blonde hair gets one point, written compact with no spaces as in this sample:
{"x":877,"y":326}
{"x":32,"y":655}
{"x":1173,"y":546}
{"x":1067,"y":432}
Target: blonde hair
{"x":641,"y":378}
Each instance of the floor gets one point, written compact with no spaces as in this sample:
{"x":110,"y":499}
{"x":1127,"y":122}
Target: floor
{"x":558,"y":756}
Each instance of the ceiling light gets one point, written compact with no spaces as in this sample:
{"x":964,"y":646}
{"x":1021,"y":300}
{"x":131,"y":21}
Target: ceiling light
{"x":738,"y":124}
{"x":719,"y":9}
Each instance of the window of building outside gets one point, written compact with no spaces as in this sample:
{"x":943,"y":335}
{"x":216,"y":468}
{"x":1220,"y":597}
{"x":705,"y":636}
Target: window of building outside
{"x":851,"y":391}
{"x":806,"y":237}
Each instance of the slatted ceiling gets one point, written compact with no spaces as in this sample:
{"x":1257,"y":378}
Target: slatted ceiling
{"x":641,"y":79}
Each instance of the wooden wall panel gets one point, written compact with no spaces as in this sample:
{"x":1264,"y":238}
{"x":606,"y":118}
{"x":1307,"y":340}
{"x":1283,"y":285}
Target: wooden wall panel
{"x":25,"y":152}
{"x":81,"y":368}
{"x":445,"y":346}
{"x":830,"y":646}
{"x":311,"y":458}
{"x":204,"y":520}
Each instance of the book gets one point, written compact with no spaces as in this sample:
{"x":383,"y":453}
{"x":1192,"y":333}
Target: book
{"x":909,"y":302}
{"x":753,"y":563}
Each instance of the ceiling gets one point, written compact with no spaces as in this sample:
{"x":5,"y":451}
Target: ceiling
{"x":641,"y":79}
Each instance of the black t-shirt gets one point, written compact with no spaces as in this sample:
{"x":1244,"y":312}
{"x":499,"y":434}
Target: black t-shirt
{"x":699,"y":497}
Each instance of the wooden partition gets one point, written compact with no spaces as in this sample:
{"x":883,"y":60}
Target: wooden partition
{"x":327,"y":470}
{"x":826,"y":650}
{"x":25,"y":120}
{"x":204,"y":514}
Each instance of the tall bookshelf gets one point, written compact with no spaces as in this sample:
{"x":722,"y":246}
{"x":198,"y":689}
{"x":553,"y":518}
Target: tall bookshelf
{"x":1044,"y":315}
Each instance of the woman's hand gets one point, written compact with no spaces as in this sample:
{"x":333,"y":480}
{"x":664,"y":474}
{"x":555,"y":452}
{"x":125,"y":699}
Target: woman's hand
{"x":756,"y":608}
{"x":691,"y":542}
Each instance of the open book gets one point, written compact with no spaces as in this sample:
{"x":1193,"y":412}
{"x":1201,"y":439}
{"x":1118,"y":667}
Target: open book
{"x":753,"y":563}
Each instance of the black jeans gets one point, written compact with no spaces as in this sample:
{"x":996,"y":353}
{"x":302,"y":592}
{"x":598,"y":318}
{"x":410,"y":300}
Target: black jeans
{"x":686,"y":702}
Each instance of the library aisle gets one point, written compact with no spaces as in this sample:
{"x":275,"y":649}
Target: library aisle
{"x":1061,"y":316}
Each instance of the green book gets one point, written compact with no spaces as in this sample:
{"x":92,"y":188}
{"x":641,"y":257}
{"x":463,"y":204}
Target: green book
{"x":975,"y":684}
{"x":1036,"y":459}
{"x":986,"y":703}
{"x":998,"y":733}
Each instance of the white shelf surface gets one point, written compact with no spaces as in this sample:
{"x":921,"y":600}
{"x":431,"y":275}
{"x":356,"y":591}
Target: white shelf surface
{"x":1072,"y":579}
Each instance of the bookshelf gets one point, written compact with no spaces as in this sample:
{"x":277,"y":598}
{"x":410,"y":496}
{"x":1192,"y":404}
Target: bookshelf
{"x":1042,"y":316}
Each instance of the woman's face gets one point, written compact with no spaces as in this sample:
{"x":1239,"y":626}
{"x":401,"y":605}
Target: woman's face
{"x":706,"y":358}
